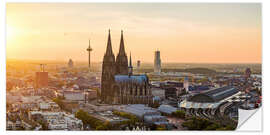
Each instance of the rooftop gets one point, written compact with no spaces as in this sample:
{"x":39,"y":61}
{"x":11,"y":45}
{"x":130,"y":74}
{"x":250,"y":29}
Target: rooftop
{"x":214,"y":95}
{"x":132,"y":78}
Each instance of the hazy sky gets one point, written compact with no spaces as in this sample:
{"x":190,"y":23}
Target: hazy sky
{"x":188,"y":33}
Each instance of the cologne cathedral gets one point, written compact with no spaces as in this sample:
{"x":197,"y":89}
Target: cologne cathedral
{"x":118,"y":83}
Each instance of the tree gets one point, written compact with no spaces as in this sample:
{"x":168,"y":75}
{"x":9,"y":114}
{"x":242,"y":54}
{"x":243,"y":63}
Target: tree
{"x":213,"y":126}
{"x":155,"y":105}
{"x":131,"y":122}
{"x":82,"y":115}
{"x":133,"y":119}
{"x":44,"y":124}
{"x":161,"y":127}
{"x":92,"y":121}
{"x":105,"y":126}
{"x":179,"y":114}
{"x":59,"y":101}
{"x":100,"y":127}
{"x":195,"y":123}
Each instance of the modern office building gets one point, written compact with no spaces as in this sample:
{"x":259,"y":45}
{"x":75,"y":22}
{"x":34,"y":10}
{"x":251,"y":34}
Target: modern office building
{"x":41,"y":80}
{"x":74,"y":95}
{"x":186,"y":84}
{"x":157,"y":62}
{"x":70,"y":63}
{"x":138,"y":64}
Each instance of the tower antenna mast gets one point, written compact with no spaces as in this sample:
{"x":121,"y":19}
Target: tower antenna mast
{"x":89,"y":49}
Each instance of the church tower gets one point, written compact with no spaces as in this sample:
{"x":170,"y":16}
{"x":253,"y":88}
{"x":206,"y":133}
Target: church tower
{"x":130,"y":68}
{"x":108,"y":72}
{"x":121,"y":60}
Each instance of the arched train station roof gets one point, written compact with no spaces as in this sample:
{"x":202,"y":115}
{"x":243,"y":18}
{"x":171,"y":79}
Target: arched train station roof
{"x":214,"y":95}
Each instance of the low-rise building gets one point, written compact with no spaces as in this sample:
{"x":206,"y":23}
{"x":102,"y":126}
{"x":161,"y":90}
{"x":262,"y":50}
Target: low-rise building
{"x":167,"y":109}
{"x":74,"y":95}
{"x":14,"y":125}
{"x":158,"y":92}
{"x":48,"y":106}
{"x":147,"y":114}
{"x":91,"y":94}
{"x":58,"y":120}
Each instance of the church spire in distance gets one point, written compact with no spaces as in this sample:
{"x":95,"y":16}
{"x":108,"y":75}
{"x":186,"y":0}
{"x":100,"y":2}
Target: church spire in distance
{"x":130,"y":61}
{"x":130,"y":68}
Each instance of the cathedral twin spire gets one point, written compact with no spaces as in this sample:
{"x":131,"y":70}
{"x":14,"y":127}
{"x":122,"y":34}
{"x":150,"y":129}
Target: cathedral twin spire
{"x":122,"y":47}
{"x":109,"y":45}
{"x":121,"y":63}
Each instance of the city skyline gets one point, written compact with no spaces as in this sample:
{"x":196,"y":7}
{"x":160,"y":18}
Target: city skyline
{"x":49,"y":35}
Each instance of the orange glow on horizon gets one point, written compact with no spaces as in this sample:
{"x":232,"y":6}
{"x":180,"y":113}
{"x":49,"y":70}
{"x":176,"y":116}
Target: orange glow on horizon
{"x":41,"y":31}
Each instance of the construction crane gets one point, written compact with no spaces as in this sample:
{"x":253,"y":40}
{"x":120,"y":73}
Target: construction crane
{"x":42,"y":67}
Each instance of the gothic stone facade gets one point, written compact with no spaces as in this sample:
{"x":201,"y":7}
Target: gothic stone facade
{"x":118,"y":84}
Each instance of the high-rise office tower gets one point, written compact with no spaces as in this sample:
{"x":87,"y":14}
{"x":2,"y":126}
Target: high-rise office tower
{"x":41,"y":79}
{"x":70,"y":63}
{"x":186,"y":84}
{"x":138,"y":64}
{"x":157,"y":62}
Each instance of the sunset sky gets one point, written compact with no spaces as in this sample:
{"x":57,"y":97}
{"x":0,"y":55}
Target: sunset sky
{"x":186,"y":33}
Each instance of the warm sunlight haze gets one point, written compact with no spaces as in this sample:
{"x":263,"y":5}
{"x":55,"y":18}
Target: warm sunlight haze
{"x":185,"y":33}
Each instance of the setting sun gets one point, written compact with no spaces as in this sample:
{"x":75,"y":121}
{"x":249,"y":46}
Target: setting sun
{"x":10,"y":32}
